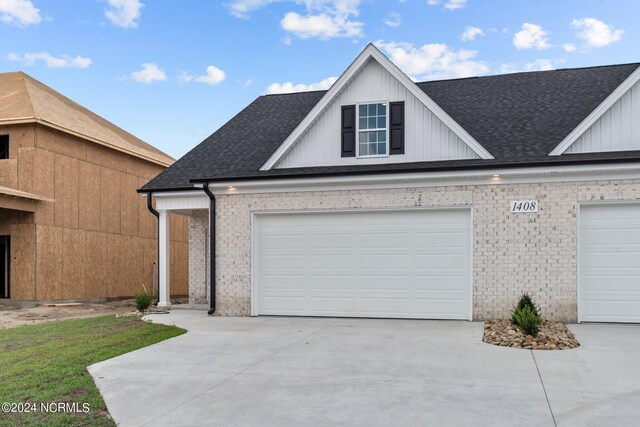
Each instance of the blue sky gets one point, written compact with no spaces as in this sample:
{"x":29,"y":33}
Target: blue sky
{"x":206,"y":60}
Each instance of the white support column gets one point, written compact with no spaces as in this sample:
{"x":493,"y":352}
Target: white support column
{"x":164,"y":262}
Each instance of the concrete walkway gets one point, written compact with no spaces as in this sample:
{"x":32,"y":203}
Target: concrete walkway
{"x":366,"y":372}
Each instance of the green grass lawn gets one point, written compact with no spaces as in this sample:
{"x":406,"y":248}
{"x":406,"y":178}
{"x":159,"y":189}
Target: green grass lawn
{"x":47,"y":363}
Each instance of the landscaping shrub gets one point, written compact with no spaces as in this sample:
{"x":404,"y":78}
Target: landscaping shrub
{"x":528,"y":320}
{"x":525,"y":301}
{"x":143,"y":301}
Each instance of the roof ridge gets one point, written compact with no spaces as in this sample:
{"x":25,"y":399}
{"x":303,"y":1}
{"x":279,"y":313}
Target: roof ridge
{"x":591,"y":67}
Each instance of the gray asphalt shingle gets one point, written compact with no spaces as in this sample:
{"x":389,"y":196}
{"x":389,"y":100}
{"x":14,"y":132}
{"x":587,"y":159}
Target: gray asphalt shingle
{"x":519,"y":118}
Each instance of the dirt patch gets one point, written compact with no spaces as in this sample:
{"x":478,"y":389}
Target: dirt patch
{"x":552,"y":336}
{"x":11,"y":316}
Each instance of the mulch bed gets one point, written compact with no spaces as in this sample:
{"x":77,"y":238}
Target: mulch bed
{"x":552,"y":336}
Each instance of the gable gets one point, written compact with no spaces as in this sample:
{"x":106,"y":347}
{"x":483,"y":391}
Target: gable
{"x":427,"y":137}
{"x":613,"y":126}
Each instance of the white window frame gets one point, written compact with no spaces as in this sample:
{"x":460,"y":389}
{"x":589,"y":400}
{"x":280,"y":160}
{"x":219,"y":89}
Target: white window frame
{"x":358,"y":156}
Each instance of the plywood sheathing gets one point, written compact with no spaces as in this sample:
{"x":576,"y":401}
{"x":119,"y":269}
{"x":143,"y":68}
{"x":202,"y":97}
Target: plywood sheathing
{"x":74,"y":258}
{"x":49,"y":262}
{"x":89,"y":196}
{"x":109,"y":200}
{"x":44,"y":183}
{"x":66,"y":191}
{"x":25,"y":169}
{"x":23,"y":98}
{"x":129,"y":205}
{"x":22,"y":261}
{"x":9,"y":173}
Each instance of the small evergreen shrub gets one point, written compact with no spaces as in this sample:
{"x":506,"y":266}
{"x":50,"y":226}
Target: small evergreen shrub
{"x":528,"y":320}
{"x":525,"y":301}
{"x":143,"y":301}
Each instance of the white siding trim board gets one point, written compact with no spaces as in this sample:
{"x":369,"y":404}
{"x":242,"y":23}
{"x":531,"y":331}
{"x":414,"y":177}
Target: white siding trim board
{"x":372,"y":52}
{"x":599,"y":114}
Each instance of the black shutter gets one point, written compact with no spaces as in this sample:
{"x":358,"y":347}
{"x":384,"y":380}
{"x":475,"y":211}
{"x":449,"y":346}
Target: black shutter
{"x":396,"y":127}
{"x":348,"y":131}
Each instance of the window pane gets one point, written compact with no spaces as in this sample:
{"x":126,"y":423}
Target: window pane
{"x":382,"y":148}
{"x":382,"y":109}
{"x":372,"y":123}
{"x":364,"y":149}
{"x":363,"y":123}
{"x":371,"y":110}
{"x":381,"y":136}
{"x":362,"y":110}
{"x":382,"y":122}
{"x":364,"y":136}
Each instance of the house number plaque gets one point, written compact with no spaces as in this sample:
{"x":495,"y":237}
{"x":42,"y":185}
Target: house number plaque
{"x":524,"y":206}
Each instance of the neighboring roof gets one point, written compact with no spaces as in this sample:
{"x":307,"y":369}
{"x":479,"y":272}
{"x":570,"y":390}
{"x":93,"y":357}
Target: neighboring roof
{"x":25,"y":100}
{"x":6,"y":191}
{"x":519,"y":118}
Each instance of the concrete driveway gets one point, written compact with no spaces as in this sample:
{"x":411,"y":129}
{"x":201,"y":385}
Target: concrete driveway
{"x":313,"y":371}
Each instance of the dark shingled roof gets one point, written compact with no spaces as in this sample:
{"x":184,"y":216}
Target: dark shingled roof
{"x":519,"y":118}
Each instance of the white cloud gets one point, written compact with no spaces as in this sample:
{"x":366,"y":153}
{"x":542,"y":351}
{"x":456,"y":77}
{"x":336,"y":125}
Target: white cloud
{"x":50,"y":61}
{"x":325,"y":19}
{"x":289,"y":87}
{"x":433,"y":61}
{"x":569,"y":47}
{"x":537,"y":65}
{"x":19,"y":12}
{"x":393,"y":19}
{"x":242,"y":8}
{"x":124,"y":13}
{"x":531,"y":36}
{"x":595,"y":32}
{"x":470,"y":33}
{"x":455,"y":4}
{"x":150,"y":73}
{"x":213,"y":77}
{"x":449,"y":4}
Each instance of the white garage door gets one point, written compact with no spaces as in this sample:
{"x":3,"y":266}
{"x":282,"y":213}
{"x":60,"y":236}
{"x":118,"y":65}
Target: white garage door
{"x":410,"y":264}
{"x":609,"y":263}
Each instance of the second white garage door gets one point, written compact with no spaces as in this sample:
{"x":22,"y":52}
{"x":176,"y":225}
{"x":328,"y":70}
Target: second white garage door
{"x":609,"y":263}
{"x":398,"y":264}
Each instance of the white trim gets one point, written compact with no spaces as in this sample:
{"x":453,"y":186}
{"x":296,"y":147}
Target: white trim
{"x":386,"y":129}
{"x":604,"y":172}
{"x":579,"y":206}
{"x":618,"y":93}
{"x":473,"y":250}
{"x":255,"y":214}
{"x":373,"y":52}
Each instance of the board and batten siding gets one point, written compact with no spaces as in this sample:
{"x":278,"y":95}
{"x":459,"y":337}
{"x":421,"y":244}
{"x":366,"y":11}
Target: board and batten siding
{"x":617,"y":130}
{"x":426,"y":136}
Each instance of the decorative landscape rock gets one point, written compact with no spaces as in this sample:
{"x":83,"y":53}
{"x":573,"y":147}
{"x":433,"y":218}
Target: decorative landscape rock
{"x":552,"y":336}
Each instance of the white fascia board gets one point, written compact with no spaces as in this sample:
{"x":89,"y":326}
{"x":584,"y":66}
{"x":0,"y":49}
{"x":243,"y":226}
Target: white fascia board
{"x":618,"y":93}
{"x":577,"y":173}
{"x":372,"y":52}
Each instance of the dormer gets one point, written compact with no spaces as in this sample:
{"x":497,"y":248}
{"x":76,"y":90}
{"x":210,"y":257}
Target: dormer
{"x":372,"y":114}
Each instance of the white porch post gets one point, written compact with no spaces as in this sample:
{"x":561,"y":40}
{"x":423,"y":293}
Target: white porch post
{"x":164,"y":261}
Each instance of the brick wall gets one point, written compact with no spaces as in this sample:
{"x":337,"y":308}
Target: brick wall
{"x":513,"y":253}
{"x":198,"y":257}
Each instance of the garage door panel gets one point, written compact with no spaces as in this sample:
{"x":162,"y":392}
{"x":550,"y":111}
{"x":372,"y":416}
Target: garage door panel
{"x":446,"y":308}
{"x":384,"y":261}
{"x":609,"y":275}
{"x":613,"y":282}
{"x":283,"y":281}
{"x":439,"y":261}
{"x":439,"y":283}
{"x":372,"y":264}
